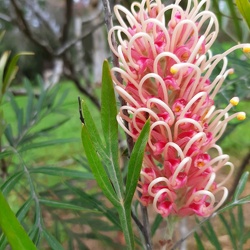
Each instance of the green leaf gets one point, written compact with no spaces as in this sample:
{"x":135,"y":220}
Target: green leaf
{"x":135,"y":164}
{"x":11,"y":182}
{"x":241,"y":224}
{"x":12,"y":70}
{"x":46,"y":144}
{"x":244,"y":8}
{"x":92,"y":201}
{"x":21,"y":213}
{"x":158,"y":220}
{"x":110,"y":128}
{"x":3,"y":61}
{"x":13,"y":230}
{"x":97,"y":168}
{"x":198,"y":242}
{"x":229,"y":231}
{"x":232,"y":204}
{"x":93,"y":132}
{"x":62,"y":172}
{"x":241,"y":186}
{"x":234,"y":16}
{"x":52,"y":241}
{"x":125,"y":219}
{"x":64,"y":205}
{"x":212,"y":235}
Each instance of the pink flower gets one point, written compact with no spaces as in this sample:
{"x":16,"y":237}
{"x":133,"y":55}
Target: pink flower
{"x":166,"y":68}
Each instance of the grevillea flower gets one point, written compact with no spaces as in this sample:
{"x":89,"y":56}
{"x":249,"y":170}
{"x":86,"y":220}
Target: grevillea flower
{"x":166,"y":67}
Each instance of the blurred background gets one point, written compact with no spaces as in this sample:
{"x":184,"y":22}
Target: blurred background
{"x":43,"y":170}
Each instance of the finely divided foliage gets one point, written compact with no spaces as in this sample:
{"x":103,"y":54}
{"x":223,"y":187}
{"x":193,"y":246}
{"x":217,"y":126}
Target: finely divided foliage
{"x":166,"y":66}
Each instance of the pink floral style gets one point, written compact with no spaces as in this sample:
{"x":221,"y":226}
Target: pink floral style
{"x":166,"y":68}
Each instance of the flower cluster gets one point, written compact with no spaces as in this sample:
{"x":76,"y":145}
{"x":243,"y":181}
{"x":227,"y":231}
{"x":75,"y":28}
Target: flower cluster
{"x":166,"y":66}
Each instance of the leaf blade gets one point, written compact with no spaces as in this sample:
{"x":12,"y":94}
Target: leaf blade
{"x":97,"y":168}
{"x":135,"y":163}
{"x":13,"y":230}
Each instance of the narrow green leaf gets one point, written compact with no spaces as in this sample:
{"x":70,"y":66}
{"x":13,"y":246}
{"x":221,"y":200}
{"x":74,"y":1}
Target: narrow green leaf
{"x":97,"y":168}
{"x":3,"y":61}
{"x":241,"y":224}
{"x":35,"y":234}
{"x":125,"y":219}
{"x":30,"y":99}
{"x":64,"y":205}
{"x":94,"y":134}
{"x":158,"y":220}
{"x":244,"y":8}
{"x":21,"y":213}
{"x":229,"y":231}
{"x":110,"y":128}
{"x":235,"y":20}
{"x":11,"y":182}
{"x":52,"y":241}
{"x":135,"y":164}
{"x":234,"y":223}
{"x":241,"y":186}
{"x":62,"y":172}
{"x":232,"y":204}
{"x":13,"y":230}
{"x":198,"y":242}
{"x":12,"y":69}
{"x":47,"y":143}
{"x":109,"y":110}
{"x":213,"y":237}
{"x":90,"y":200}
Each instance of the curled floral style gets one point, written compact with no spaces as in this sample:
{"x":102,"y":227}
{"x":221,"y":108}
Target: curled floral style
{"x":166,"y":67}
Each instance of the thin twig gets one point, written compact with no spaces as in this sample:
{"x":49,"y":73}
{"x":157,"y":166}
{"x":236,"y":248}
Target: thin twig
{"x":43,"y":17}
{"x":72,"y":76}
{"x":142,"y":229}
{"x":24,"y":27}
{"x":67,"y":20}
{"x":64,"y":48}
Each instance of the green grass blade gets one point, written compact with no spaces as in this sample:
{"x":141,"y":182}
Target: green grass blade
{"x":110,"y":128}
{"x":135,"y":164}
{"x":97,"y":168}
{"x":244,"y":8}
{"x":241,"y":186}
{"x":13,"y":230}
{"x":62,"y":172}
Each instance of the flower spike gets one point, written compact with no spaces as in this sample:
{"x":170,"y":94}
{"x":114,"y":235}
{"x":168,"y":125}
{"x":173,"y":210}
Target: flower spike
{"x":165,"y":67}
